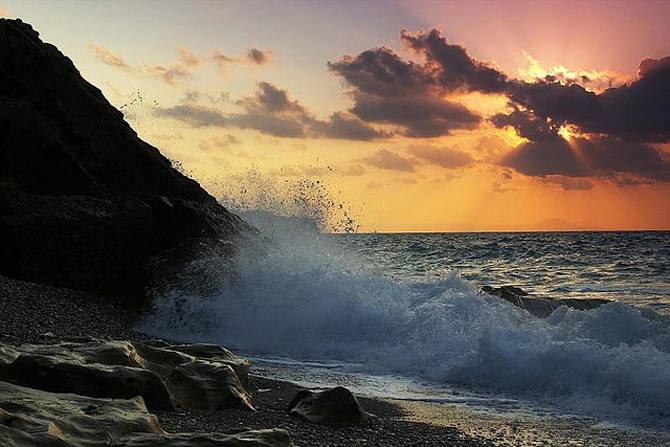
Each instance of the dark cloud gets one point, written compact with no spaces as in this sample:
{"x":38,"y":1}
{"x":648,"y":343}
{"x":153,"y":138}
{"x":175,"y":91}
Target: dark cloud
{"x":420,"y":116}
{"x":451,"y":64}
{"x":558,"y":102}
{"x":620,"y":127}
{"x":271,"y":111}
{"x":582,"y":157}
{"x":343,"y":126}
{"x":527,"y":125}
{"x":639,"y":111}
{"x":382,"y":72}
{"x":410,"y":96}
{"x":270,"y":98}
{"x":444,"y":157}
{"x":259,"y":57}
{"x":385,"y":159}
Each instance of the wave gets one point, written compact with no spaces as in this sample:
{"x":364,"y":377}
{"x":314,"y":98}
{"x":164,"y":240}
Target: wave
{"x":307,"y":298}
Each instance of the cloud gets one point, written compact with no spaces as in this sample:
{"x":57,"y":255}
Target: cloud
{"x":409,"y":96}
{"x":187,"y":58}
{"x":195,"y":115}
{"x":382,"y":72}
{"x":259,"y":57}
{"x":196,"y":96}
{"x":181,"y":70}
{"x":183,"y":67}
{"x":168,"y":74}
{"x":222,"y":61}
{"x":108,"y":57}
{"x":3,"y":12}
{"x":444,"y":157}
{"x":639,"y":111}
{"x":618,"y":129}
{"x":420,"y":116}
{"x":570,"y":183}
{"x":344,"y":126}
{"x":385,"y":159}
{"x":593,"y":79}
{"x":451,"y":65}
{"x":582,"y":157}
{"x":617,"y":125}
{"x":271,"y":111}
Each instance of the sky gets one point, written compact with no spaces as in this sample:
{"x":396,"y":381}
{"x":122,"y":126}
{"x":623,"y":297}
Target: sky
{"x":400,"y":115}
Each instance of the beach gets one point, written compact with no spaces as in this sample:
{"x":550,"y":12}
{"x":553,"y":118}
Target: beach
{"x":35,"y":313}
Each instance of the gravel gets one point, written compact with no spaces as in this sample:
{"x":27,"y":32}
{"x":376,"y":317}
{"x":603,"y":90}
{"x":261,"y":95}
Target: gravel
{"x":33,"y":313}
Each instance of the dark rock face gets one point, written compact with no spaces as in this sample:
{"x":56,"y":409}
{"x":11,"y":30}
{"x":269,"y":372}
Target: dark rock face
{"x":84,"y":203}
{"x":336,"y":406}
{"x":539,"y":306}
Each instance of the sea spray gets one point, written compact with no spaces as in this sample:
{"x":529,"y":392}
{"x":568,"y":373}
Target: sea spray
{"x":306,"y":297}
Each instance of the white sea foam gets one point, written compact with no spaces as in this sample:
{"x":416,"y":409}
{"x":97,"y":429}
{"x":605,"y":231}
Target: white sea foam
{"x":308,"y":299}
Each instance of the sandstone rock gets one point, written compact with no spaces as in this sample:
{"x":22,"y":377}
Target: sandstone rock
{"x":66,"y":374}
{"x":30,"y":417}
{"x":541,"y":307}
{"x":207,"y":385}
{"x":336,"y":406}
{"x":119,"y":369}
{"x":33,"y":417}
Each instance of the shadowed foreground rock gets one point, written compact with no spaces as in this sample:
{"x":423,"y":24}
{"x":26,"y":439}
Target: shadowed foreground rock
{"x":30,"y":417}
{"x":541,"y":307}
{"x":336,"y":406}
{"x":119,"y":369}
{"x":84,"y":203}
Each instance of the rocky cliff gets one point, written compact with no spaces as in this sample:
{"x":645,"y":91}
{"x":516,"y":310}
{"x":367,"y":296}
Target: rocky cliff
{"x":84,"y":202}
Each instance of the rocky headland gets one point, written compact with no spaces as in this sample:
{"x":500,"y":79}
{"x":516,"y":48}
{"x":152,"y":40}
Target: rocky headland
{"x":92,"y":219}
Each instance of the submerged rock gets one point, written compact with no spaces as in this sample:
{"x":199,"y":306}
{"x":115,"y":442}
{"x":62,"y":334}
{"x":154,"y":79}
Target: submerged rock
{"x":541,"y":307}
{"x":336,"y":406}
{"x":39,"y":418}
{"x":163,"y":376}
{"x":84,"y":203}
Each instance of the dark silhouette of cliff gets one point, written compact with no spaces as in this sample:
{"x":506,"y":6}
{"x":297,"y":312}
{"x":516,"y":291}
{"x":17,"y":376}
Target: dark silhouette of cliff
{"x":85,"y":203}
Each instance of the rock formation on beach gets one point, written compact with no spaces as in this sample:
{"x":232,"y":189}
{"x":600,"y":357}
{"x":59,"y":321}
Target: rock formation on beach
{"x":93,"y":392}
{"x":540,"y":306}
{"x":336,"y":406}
{"x":84,"y":202}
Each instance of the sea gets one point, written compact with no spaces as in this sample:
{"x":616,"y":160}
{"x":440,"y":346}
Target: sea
{"x":402,"y":316}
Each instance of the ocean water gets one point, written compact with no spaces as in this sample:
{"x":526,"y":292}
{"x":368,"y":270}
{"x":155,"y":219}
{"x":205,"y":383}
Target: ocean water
{"x":401,"y":315}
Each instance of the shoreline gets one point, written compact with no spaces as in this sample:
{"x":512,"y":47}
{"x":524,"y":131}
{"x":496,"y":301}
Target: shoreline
{"x":33,"y":313}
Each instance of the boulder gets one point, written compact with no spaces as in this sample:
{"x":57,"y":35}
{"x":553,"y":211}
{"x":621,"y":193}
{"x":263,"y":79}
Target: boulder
{"x":540,"y":306}
{"x":84,"y":202}
{"x":208,"y":386}
{"x":336,"y":406}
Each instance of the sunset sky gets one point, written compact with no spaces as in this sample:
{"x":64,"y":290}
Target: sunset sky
{"x":414,"y":115}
